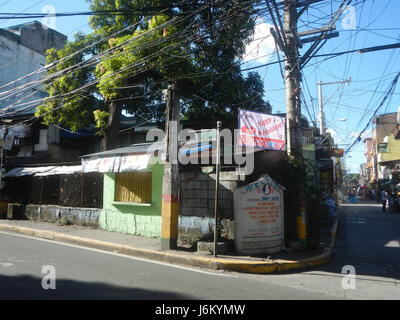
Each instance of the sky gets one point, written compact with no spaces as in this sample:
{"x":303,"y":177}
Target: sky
{"x":348,"y":108}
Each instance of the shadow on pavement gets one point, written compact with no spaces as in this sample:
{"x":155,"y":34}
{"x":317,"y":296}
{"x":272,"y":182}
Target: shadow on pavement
{"x":29,"y":288}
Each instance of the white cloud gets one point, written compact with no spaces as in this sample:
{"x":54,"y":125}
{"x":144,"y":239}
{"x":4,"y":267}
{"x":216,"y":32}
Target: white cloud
{"x":354,"y":134}
{"x":333,"y":134}
{"x":262,"y":47}
{"x":365,"y":134}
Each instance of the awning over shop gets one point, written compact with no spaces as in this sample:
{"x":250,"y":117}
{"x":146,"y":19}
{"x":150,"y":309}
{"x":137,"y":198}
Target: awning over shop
{"x":61,"y":170}
{"x":42,"y":171}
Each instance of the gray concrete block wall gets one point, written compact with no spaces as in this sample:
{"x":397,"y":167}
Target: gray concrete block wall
{"x":51,"y":213}
{"x":197,"y":193}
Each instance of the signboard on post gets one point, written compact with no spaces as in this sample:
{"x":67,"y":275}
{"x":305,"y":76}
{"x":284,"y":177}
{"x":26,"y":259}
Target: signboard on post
{"x":259,"y":217}
{"x":260,"y":130}
{"x":338,"y":153}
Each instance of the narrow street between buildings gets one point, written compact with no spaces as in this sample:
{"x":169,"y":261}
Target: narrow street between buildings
{"x":368,"y":240}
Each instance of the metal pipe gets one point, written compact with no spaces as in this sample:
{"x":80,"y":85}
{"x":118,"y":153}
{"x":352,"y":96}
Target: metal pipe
{"x":217,"y":165}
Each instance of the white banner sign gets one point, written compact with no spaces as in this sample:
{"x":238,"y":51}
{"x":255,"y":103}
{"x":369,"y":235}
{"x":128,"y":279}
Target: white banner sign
{"x":261,"y":130}
{"x":116,"y":164}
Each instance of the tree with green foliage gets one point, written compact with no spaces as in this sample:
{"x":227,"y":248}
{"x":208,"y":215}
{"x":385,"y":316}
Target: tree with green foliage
{"x":195,"y":45}
{"x":68,"y":111}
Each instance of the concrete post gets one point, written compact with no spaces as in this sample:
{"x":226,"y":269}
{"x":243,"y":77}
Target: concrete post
{"x":292,"y":80}
{"x":171,"y":182}
{"x":293,"y":108}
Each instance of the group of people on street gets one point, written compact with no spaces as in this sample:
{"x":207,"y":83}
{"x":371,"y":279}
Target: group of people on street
{"x":385,"y":196}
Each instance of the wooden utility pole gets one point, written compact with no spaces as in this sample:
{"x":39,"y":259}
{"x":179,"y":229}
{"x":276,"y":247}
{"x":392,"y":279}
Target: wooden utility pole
{"x":171,"y":183}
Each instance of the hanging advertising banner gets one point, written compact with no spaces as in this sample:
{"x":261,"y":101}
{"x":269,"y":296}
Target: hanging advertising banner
{"x":335,"y":152}
{"x":116,"y":163}
{"x":260,"y":130}
{"x":258,"y":212}
{"x":98,"y":165}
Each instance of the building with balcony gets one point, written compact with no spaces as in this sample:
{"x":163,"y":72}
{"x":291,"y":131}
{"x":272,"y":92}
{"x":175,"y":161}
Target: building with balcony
{"x":382,"y":150}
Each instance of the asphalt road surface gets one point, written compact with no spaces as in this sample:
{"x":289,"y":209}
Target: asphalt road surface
{"x":367,"y":239}
{"x":83,"y":273}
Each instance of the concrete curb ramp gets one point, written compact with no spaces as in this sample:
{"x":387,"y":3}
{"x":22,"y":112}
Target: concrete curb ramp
{"x":173,"y":257}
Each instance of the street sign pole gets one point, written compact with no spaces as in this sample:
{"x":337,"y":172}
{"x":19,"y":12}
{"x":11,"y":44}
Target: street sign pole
{"x":217,"y":165}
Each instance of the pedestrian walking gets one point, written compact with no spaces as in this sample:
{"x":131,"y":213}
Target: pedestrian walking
{"x":384,"y":198}
{"x":390,"y":202}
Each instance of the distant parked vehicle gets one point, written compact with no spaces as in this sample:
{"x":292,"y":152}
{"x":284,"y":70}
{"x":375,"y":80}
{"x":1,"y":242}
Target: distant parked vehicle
{"x":364,"y":192}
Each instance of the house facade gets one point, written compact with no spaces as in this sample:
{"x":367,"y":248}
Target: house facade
{"x":382,"y":149}
{"x":23,"y":52}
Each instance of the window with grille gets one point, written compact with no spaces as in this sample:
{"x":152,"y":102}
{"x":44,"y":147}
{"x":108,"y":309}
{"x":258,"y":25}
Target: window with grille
{"x":382,"y":147}
{"x":133,"y":187}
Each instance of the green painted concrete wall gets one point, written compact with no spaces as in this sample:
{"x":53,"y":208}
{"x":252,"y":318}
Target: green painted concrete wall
{"x":133,"y":219}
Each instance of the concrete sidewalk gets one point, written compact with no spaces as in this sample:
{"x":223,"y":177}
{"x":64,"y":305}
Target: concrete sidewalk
{"x":149,"y":248}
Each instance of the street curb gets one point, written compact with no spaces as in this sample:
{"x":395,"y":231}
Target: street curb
{"x":218,"y":263}
{"x":334,"y":230}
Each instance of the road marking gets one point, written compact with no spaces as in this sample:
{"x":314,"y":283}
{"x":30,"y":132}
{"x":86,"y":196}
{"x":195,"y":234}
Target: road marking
{"x":215,"y":273}
{"x":6,"y":264}
{"x":356,"y":220}
{"x":393,"y":243}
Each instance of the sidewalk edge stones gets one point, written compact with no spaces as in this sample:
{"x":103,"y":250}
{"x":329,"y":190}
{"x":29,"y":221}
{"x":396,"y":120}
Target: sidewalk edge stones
{"x":219,"y":263}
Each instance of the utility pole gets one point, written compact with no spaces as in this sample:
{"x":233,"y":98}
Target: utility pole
{"x":287,"y":38}
{"x":321,"y":103}
{"x":171,"y":183}
{"x":292,"y":79}
{"x":321,"y":110}
{"x":293,"y":108}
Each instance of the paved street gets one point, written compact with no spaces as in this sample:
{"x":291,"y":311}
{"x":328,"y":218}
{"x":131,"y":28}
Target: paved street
{"x":91,"y":274}
{"x":366,"y":239}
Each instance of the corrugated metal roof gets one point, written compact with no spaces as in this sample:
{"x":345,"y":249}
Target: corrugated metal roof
{"x":133,"y":149}
{"x":27,"y":171}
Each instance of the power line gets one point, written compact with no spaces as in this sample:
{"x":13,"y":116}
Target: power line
{"x":79,"y":89}
{"x":387,"y":95}
{"x":191,"y":76}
